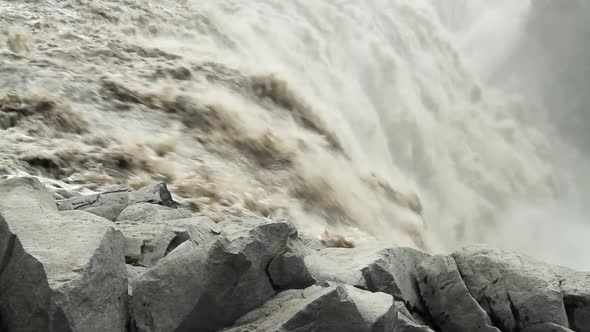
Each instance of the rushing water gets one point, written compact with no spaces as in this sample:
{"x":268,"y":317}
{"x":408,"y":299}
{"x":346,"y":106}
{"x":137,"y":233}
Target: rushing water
{"x":378,"y":120}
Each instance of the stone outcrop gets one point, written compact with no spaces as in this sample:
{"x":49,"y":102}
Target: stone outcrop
{"x":288,"y":270}
{"x":390,"y":270}
{"x":448,"y":300}
{"x":403,"y":320}
{"x":60,"y":271}
{"x":335,"y":307}
{"x":110,"y":204}
{"x":147,"y":243}
{"x":522,"y":294}
{"x":149,"y":212}
{"x":204,"y":287}
{"x":153,"y":267}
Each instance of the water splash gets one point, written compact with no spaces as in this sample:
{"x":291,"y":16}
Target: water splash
{"x":364,"y":118}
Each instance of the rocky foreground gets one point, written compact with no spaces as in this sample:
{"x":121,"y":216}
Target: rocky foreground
{"x":131,"y":261}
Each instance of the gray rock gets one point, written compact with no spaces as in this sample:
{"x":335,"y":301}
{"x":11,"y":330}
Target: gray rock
{"x":141,"y":211}
{"x":147,"y":243}
{"x":154,"y":250}
{"x":108,"y":212}
{"x":376,"y":309}
{"x":403,"y":321}
{"x":203,"y":287}
{"x":546,"y":327}
{"x":575,"y":289}
{"x":133,"y":250}
{"x":405,"y":261}
{"x":61,"y":194}
{"x":148,"y":212}
{"x":363,"y":268}
{"x":25,"y":295}
{"x":517,"y":292}
{"x":288,"y":271}
{"x":110,"y":204}
{"x":60,"y":271}
{"x":156,"y":193}
{"x":390,"y":270}
{"x":447,"y":299}
{"x":334,"y":308}
{"x":133,"y":272}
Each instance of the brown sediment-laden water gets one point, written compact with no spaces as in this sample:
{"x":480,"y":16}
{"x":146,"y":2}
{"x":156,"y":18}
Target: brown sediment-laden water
{"x":361,"y":121}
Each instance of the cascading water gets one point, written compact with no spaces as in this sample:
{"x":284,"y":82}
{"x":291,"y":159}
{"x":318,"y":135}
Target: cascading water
{"x":374,"y":120}
{"x":539,"y":53}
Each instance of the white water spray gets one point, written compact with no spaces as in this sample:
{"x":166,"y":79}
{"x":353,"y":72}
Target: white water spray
{"x":337,"y":113}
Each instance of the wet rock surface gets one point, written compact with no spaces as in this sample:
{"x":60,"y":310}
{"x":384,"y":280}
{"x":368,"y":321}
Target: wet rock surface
{"x":60,"y":271}
{"x":447,"y":298}
{"x":110,"y":204}
{"x":335,"y":307}
{"x":159,"y":268}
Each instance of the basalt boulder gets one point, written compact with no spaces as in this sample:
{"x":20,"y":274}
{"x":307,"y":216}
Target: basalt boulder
{"x":59,"y":271}
{"x":330,"y":308}
{"x":110,"y":204}
{"x":204,"y":287}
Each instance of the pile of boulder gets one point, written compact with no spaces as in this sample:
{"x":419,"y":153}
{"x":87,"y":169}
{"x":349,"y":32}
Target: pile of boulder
{"x":132,"y":261}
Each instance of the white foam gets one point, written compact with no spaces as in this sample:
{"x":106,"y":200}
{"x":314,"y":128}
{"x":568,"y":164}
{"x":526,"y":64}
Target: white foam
{"x":401,"y":91}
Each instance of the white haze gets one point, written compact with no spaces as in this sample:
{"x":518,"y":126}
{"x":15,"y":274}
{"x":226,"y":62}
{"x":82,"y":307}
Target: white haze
{"x":507,"y":46}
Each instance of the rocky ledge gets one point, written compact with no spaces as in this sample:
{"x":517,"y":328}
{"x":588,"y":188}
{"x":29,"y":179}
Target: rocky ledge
{"x":132,"y":261}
